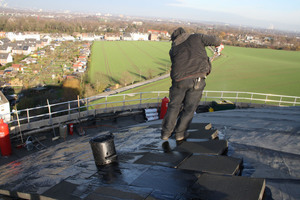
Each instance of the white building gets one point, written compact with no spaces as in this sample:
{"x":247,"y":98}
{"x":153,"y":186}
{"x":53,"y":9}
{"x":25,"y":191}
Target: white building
{"x":4,"y":108}
{"x":22,"y":36}
{"x":88,"y":38}
{"x":127,"y":37}
{"x":139,"y":36}
{"x":5,"y":58}
{"x":68,"y":38}
{"x":139,"y":23}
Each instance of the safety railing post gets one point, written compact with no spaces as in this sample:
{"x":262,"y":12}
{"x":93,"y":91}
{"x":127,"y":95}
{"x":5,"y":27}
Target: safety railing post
{"x":28,"y":117}
{"x":251,"y":99}
{"x":69,"y":110}
{"x":87,"y":106}
{"x":158,"y":98}
{"x":124,"y":100}
{"x":236,"y":97}
{"x":105,"y":102}
{"x":49,"y":110}
{"x":141,"y":99}
{"x":280,"y":101}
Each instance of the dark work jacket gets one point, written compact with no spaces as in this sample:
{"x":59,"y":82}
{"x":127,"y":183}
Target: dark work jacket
{"x":188,"y":56}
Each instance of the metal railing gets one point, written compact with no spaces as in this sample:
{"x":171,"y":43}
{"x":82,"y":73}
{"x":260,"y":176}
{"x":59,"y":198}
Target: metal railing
{"x":252,"y":97}
{"x":50,"y":111}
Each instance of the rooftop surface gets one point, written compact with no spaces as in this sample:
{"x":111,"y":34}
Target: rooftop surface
{"x":256,"y":152}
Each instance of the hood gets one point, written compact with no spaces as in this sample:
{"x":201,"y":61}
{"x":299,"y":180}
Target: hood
{"x":176,"y":33}
{"x":180,"y":39}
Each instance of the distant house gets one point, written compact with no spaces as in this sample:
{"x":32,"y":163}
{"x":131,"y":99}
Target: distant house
{"x":79,"y":66}
{"x":249,"y":38}
{"x":17,"y":67}
{"x":5,"y":58}
{"x":139,"y":36}
{"x":5,"y":48}
{"x":2,"y":34}
{"x":165,"y":33}
{"x":39,"y":45}
{"x":138,"y":23}
{"x":31,"y":41}
{"x":4,"y":108}
{"x":62,"y":37}
{"x":25,"y":50}
{"x":127,"y":37}
{"x":45,"y":42}
{"x":99,"y":37}
{"x":68,"y":38}
{"x":29,"y":60}
{"x":4,"y":41}
{"x":33,"y":47}
{"x":87,"y":37}
{"x":112,"y":36}
{"x":22,"y":36}
{"x":153,"y":37}
{"x":82,"y":59}
{"x":155,"y":34}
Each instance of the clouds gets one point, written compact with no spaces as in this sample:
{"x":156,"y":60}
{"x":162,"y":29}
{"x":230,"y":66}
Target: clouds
{"x":252,"y":12}
{"x":282,"y":14}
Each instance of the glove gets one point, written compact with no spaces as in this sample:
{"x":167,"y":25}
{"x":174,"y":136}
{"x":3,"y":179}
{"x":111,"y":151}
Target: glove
{"x":219,"y":48}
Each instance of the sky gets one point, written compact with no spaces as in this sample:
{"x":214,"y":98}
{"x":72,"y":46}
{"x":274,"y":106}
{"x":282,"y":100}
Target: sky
{"x":279,"y":14}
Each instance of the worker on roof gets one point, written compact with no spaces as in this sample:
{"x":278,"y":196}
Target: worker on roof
{"x":190,"y":66}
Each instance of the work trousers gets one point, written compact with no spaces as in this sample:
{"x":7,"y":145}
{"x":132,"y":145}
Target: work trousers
{"x":184,"y":97}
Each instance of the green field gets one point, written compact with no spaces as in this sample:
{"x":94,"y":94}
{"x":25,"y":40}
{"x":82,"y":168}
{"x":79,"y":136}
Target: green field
{"x":141,"y":60}
{"x":238,"y":69}
{"x":256,"y":70}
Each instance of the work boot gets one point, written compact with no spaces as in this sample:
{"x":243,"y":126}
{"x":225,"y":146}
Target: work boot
{"x":165,"y":136}
{"x":166,"y":147}
{"x":180,"y":137}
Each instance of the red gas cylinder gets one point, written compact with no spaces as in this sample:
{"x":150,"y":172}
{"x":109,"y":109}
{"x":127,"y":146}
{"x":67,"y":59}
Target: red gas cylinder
{"x":5,"y":144}
{"x":163,"y":107}
{"x":71,"y":128}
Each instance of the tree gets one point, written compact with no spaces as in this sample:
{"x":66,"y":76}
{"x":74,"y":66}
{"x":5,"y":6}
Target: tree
{"x":126,"y":78}
{"x":89,"y":90}
{"x":222,"y":35}
{"x":150,"y":73}
{"x":71,"y":88}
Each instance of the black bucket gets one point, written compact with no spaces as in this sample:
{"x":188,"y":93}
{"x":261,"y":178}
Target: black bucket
{"x":103,"y":148}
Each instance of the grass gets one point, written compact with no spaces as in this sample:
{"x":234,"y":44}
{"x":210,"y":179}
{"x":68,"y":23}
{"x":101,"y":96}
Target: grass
{"x":141,"y":59}
{"x":238,"y":69}
{"x":249,"y":70}
{"x":256,"y":70}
